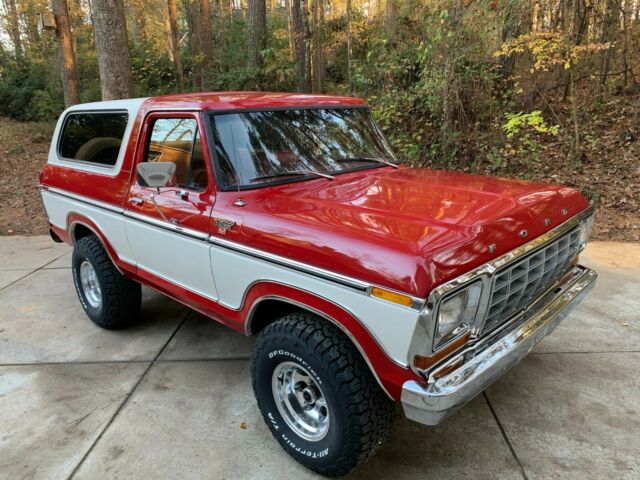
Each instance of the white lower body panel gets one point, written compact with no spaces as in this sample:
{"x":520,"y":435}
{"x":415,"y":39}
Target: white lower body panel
{"x":391,"y":325}
{"x":177,"y":258}
{"x":59,"y":207}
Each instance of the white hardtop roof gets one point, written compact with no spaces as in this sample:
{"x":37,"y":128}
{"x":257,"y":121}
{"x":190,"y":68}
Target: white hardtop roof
{"x":129,"y":104}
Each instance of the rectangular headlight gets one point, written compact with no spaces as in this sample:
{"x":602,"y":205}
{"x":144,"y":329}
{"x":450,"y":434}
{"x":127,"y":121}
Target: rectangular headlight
{"x":457,"y":313}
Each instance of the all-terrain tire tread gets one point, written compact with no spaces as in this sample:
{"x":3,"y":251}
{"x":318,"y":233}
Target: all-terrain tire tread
{"x":121,"y":297}
{"x":369,"y":410}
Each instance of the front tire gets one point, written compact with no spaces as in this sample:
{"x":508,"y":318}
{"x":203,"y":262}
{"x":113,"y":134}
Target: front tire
{"x":109,"y":299}
{"x":318,"y":396}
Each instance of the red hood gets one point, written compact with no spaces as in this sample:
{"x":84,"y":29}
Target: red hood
{"x":410,"y":229}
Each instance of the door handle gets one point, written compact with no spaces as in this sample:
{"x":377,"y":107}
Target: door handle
{"x":137,"y":200}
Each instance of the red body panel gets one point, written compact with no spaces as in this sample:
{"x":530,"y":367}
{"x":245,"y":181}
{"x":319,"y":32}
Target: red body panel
{"x":407,"y":229}
{"x":246,"y":101}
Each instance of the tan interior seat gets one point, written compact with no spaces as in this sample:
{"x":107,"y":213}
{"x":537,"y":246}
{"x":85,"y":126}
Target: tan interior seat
{"x":93,"y":147}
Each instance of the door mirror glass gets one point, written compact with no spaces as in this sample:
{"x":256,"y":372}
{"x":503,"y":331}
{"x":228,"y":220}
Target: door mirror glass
{"x":155,"y":174}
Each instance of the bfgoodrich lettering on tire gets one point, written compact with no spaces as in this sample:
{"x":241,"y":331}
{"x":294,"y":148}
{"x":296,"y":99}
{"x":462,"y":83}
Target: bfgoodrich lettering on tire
{"x":110,"y":300}
{"x":317,"y":395}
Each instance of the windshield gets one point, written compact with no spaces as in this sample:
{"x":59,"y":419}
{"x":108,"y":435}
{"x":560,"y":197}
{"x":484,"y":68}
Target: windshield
{"x":258,"y":148}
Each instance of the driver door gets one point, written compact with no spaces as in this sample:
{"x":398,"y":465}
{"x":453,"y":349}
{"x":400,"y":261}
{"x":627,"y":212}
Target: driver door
{"x":167,"y":228}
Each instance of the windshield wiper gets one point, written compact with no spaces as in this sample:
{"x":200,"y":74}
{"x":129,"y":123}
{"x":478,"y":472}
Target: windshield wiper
{"x":366,"y":159}
{"x":292,"y":173}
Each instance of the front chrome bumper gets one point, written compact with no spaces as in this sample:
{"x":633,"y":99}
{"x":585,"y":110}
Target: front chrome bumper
{"x":431,"y":402}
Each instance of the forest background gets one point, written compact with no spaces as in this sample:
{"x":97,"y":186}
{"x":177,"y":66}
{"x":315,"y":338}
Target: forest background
{"x":530,"y":89}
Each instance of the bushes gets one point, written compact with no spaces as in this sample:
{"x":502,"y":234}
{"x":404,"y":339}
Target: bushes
{"x":27,"y":92}
{"x":439,"y":85}
{"x":153,"y":72}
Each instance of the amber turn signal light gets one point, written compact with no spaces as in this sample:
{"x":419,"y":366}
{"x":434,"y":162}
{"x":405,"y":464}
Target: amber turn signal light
{"x":422,"y":363}
{"x":390,"y":296}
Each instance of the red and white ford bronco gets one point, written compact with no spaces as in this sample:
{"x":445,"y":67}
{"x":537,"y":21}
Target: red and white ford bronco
{"x":287,"y":216}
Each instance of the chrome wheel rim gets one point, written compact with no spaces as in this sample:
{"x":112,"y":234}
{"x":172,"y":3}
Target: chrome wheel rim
{"x":300,"y":401}
{"x":90,"y":284}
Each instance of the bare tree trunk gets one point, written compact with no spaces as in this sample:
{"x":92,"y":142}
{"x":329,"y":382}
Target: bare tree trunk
{"x":193,"y":10}
{"x":256,"y":31}
{"x":575,"y":116}
{"x":608,"y":33}
{"x":510,"y":30}
{"x":174,"y":41}
{"x":319,"y":64}
{"x":391,"y":14}
{"x":300,"y":40}
{"x":14,"y":27}
{"x":287,"y":6}
{"x":206,"y":44}
{"x":30,"y":19}
{"x":577,"y":148}
{"x":635,"y":121}
{"x":349,"y":47}
{"x":112,"y":49}
{"x":167,"y":32}
{"x":66,"y":56}
{"x":76,"y":20}
{"x":577,"y":33}
{"x":626,"y":16}
{"x":138,"y":22}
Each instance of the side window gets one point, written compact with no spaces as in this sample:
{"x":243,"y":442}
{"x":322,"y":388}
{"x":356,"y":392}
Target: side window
{"x":93,"y":137}
{"x":177,"y":140}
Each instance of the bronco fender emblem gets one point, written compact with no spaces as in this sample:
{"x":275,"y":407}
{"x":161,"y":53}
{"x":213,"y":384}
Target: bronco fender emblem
{"x":224,"y":224}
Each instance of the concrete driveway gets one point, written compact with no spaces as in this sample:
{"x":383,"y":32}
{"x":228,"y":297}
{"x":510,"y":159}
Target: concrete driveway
{"x":167,"y":398}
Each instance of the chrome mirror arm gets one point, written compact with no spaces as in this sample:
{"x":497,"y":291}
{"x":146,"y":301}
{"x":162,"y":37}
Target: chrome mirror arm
{"x":158,"y":209}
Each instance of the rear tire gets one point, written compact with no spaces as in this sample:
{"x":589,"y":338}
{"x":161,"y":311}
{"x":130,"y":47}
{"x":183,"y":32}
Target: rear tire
{"x":318,"y":396}
{"x":109,"y":299}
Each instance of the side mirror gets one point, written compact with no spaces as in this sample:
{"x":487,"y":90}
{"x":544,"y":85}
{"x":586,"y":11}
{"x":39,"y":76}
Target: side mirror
{"x":155,"y":174}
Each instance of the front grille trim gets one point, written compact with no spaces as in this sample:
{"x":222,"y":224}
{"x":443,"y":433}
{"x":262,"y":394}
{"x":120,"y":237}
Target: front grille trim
{"x":516,"y":285}
{"x":423,"y":338}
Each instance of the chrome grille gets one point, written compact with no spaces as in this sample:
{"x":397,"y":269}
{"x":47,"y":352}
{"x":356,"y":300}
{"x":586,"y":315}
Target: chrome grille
{"x":517,"y":284}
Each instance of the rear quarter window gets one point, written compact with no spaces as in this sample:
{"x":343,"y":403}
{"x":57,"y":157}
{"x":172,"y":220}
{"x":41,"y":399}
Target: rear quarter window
{"x":93,"y":137}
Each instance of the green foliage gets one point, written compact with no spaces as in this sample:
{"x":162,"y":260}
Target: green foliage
{"x":516,"y":122}
{"x":440,"y":87}
{"x":46,"y":104}
{"x":522,"y":132}
{"x":231,"y":72}
{"x":438,"y":84}
{"x":27,"y":92}
{"x":153,"y":72}
{"x":550,"y":48}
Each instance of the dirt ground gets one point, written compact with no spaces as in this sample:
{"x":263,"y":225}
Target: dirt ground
{"x":610,"y":171}
{"x":610,"y":175}
{"x":24,"y":148}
